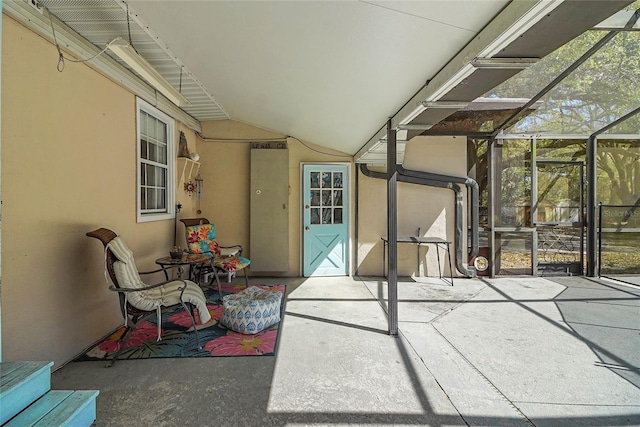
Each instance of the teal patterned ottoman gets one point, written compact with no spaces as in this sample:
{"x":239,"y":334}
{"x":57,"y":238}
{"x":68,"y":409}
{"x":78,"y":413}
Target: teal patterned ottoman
{"x":251,"y":310}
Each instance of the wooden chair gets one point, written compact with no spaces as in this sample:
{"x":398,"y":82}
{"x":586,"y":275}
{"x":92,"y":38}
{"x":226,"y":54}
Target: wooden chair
{"x":134,"y":305}
{"x":201,"y":238}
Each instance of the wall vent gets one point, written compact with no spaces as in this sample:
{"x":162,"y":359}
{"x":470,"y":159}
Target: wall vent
{"x":271,"y":145}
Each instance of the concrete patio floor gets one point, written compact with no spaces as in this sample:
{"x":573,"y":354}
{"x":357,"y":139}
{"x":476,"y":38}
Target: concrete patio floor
{"x":499,"y":352}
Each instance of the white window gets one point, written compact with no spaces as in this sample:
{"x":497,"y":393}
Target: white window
{"x":156,"y":164}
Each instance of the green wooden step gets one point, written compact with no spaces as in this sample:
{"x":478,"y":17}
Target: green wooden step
{"x":59,"y":408}
{"x":22,"y":383}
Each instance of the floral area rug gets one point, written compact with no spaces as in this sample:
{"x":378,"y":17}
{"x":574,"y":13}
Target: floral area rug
{"x":177,"y":341}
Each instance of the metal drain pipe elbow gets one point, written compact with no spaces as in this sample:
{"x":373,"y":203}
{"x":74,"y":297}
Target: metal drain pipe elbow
{"x":459,"y":210}
{"x":475,"y":199}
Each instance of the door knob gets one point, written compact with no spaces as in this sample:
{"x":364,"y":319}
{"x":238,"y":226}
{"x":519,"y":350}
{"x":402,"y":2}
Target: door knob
{"x":307,"y":228}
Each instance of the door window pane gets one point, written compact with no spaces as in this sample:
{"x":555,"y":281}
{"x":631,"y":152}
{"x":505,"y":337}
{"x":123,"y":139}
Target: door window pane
{"x":315,"y":198}
{"x":326,"y":179}
{"x":326,"y":197}
{"x":315,"y":179}
{"x":337,"y":216}
{"x":337,"y":180}
{"x":326,"y":215}
{"x":315,"y":215}
{"x":337,"y":197}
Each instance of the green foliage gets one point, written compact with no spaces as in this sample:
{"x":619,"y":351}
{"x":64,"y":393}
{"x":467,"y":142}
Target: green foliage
{"x":619,"y":172}
{"x":620,"y":263}
{"x":598,"y":92}
{"x":602,"y":89}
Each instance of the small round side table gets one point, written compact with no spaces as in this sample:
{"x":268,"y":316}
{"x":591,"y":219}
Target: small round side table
{"x":187,"y":259}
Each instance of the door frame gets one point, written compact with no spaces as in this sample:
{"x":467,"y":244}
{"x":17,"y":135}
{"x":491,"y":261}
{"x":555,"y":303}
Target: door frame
{"x":535,"y":205}
{"x":347,"y":204}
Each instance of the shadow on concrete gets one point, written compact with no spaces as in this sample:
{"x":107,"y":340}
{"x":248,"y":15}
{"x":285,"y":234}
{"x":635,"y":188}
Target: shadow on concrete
{"x":241,"y":390}
{"x":611,"y":328}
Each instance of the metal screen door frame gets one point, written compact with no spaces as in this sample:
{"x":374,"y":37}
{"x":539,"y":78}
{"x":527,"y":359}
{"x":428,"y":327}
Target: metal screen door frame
{"x":557,"y":226}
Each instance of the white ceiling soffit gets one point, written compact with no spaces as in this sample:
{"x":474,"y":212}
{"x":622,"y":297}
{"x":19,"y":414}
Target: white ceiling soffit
{"x":326,"y":72}
{"x":101,"y":21}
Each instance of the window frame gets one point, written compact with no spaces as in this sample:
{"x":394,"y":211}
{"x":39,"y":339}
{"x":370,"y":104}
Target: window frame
{"x":142,"y":216}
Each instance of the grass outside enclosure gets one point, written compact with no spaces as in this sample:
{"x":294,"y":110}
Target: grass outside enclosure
{"x":614,"y":261}
{"x":619,"y":238}
{"x":620,"y":253}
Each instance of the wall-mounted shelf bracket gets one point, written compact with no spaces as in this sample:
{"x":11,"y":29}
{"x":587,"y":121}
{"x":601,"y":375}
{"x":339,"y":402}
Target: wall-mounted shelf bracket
{"x":188,"y":167}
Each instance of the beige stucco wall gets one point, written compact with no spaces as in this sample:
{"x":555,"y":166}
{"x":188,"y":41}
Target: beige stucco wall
{"x":225,"y":157}
{"x":226,"y":170}
{"x":68,"y":167}
{"x":430,"y":209}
